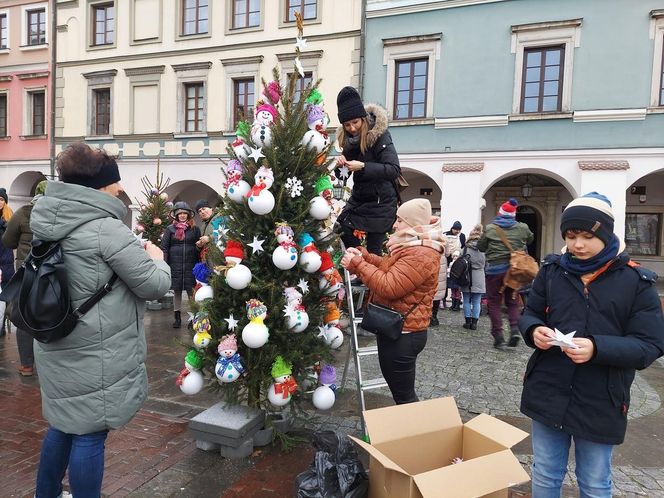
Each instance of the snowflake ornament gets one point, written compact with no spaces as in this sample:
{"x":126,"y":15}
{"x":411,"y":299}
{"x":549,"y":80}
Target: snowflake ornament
{"x":303,"y":285}
{"x":232,"y":322}
{"x":300,"y":43}
{"x":344,"y":172}
{"x":294,"y":186}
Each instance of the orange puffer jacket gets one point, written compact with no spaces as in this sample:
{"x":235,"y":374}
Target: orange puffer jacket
{"x":401,"y":280}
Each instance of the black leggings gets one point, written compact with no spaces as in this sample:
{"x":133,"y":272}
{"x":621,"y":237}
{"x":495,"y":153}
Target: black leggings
{"x":374,"y":240}
{"x":397,"y":363}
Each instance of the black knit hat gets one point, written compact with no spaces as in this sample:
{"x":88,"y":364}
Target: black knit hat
{"x":349,"y":105}
{"x":107,"y":175}
{"x":591,"y":213}
{"x":3,"y":194}
{"x":202,"y":203}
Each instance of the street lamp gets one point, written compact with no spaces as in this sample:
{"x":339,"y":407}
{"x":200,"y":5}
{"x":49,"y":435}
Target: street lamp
{"x":526,"y":189}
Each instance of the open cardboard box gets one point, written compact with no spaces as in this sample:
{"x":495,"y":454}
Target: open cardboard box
{"x":412,"y":447}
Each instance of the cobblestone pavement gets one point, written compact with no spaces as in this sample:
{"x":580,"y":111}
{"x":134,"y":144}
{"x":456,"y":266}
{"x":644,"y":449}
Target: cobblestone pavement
{"x":154,"y":456}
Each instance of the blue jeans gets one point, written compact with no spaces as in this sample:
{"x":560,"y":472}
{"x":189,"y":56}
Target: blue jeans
{"x":84,"y":455}
{"x":472,"y":304}
{"x":551,"y":451}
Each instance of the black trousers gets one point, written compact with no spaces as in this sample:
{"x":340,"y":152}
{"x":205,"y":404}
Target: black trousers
{"x":397,"y":363}
{"x":374,"y":240}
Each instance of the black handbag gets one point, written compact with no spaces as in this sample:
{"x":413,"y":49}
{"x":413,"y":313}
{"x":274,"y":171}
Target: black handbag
{"x":381,"y":320}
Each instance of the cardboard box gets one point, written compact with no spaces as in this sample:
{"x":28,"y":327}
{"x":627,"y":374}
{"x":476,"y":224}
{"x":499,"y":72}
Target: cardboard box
{"x":412,"y":447}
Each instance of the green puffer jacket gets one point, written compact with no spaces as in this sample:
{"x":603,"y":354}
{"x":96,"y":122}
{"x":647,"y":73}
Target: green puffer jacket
{"x":95,"y":378}
{"x":519,"y":235}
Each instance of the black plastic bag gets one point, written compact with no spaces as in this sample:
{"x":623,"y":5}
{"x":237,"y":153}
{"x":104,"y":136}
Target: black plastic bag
{"x":336,"y":471}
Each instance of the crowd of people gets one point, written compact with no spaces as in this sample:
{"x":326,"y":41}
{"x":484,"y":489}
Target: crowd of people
{"x":575,"y":389}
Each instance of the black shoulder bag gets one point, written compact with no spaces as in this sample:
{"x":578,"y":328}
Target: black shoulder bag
{"x":381,"y":320}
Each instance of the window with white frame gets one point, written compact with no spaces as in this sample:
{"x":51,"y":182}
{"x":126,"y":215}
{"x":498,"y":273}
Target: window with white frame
{"x":103,"y":24}
{"x":34,"y":123}
{"x":4,"y":30}
{"x":241,"y":78}
{"x":657,"y":35}
{"x":544,"y":61}
{"x":191,"y":96}
{"x":411,"y":69}
{"x":301,"y":85}
{"x":246,"y":13}
{"x":102,"y":111}
{"x":307,"y":8}
{"x":195,"y":17}
{"x":100,"y":102}
{"x":36,"y":27}
{"x":3,"y":115}
{"x":244,"y":99}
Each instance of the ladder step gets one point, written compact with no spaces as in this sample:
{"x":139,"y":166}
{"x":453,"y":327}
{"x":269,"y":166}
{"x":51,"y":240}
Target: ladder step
{"x":367,"y":350}
{"x":373,"y":384}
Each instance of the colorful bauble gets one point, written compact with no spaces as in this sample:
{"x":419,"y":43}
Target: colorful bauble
{"x":319,"y":208}
{"x":323,"y":398}
{"x":156,"y":221}
{"x":140,"y":228}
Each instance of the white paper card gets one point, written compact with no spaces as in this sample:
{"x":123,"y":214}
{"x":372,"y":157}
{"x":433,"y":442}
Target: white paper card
{"x":564,"y":340}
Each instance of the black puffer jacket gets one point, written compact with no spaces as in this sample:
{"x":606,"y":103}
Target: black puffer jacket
{"x":372,"y":206}
{"x":181,"y":256}
{"x":622,"y":314}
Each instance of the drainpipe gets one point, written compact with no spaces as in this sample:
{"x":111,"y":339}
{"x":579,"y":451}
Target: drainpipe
{"x":53,"y":42}
{"x":363,"y":28}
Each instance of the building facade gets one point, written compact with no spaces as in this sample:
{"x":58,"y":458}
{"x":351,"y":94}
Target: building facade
{"x":173,"y":88}
{"x":24,"y":97}
{"x":542,"y":101}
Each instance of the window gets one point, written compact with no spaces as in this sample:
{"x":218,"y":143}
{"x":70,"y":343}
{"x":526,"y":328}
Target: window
{"x":301,"y":85}
{"x":36,"y":24}
{"x":243,"y":99}
{"x":194,"y":17}
{"x":410,"y":95}
{"x":194,"y":99}
{"x":36,"y":101}
{"x":3,"y":115}
{"x":307,"y":8}
{"x":103,"y":24}
{"x":102,"y":111}
{"x":4,"y":32}
{"x":542,"y":79}
{"x":246,"y":13}
{"x":642,"y":233}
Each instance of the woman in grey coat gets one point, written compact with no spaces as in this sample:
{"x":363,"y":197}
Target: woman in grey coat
{"x":94,"y":379}
{"x":472,"y":295}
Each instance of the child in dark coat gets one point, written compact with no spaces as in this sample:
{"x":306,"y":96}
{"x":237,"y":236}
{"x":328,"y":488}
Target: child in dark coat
{"x":580,"y":390}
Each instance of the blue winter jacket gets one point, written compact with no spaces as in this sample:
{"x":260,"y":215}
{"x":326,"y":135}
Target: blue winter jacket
{"x":621,"y":313}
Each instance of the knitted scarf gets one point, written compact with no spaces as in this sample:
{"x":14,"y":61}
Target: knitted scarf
{"x":180,"y":227}
{"x":420,"y":235}
{"x":504,"y":221}
{"x":582,"y":266}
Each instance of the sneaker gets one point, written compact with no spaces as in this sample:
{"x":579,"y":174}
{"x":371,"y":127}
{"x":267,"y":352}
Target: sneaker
{"x":514,"y":340}
{"x":499,"y":343}
{"x":26,"y":371}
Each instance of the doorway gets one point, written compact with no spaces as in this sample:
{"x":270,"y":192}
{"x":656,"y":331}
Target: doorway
{"x":530,"y":216}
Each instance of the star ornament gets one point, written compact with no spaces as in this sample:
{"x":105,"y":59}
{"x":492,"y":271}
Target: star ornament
{"x":564,"y":340}
{"x":256,"y":154}
{"x":289,"y":311}
{"x":303,"y":285}
{"x":298,"y":66}
{"x":256,"y":245}
{"x":344,"y":172}
{"x":300,"y":43}
{"x":232,"y":322}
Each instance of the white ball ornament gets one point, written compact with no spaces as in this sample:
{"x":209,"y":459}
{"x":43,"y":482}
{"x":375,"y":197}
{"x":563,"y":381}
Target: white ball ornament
{"x":262,"y":203}
{"x":255,"y":335}
{"x":261,"y":135}
{"x":310,"y":261}
{"x":238,"y":277}
{"x":226,"y":373}
{"x":323,"y":398}
{"x":314,"y":139}
{"x":319,"y":209}
{"x":192,"y":383}
{"x":238,"y":192}
{"x":333,"y":337}
{"x":277,"y":399}
{"x":204,"y":292}
{"x":298,"y":321}
{"x":284,"y":258}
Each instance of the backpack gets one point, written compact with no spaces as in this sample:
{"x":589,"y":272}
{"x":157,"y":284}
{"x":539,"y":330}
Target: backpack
{"x":461,"y":270}
{"x":39,"y":294}
{"x":523,"y":267}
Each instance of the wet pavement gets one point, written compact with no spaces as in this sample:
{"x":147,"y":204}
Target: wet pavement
{"x":154,"y":456}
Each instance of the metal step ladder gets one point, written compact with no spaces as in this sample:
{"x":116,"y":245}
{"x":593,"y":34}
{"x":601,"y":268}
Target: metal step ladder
{"x":357,"y":352}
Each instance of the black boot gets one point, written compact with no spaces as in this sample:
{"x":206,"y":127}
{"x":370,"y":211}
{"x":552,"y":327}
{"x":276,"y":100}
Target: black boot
{"x":455,"y":304}
{"x":178,"y":320}
{"x":499,"y":341}
{"x":473,"y":324}
{"x":467,"y":324}
{"x":434,"y":314}
{"x":515,"y":335}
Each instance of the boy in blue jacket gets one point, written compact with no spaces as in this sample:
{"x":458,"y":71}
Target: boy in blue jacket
{"x":582,"y":392}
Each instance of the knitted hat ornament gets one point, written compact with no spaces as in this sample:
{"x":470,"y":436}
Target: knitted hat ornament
{"x":327,"y":263}
{"x":280,"y":367}
{"x":255,"y":308}
{"x":234,"y":249}
{"x":228,"y":342}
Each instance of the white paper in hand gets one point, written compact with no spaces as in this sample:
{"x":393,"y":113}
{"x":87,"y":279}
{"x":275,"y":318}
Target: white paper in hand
{"x":564,"y":340}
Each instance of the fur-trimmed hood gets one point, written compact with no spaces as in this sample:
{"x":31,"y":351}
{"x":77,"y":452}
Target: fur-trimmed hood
{"x":380,"y":123}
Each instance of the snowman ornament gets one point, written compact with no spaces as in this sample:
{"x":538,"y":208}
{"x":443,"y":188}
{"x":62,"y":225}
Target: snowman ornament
{"x":255,"y":334}
{"x":330,"y":281}
{"x":261,"y":200}
{"x":190,"y":379}
{"x":229,"y":366}
{"x":330,"y":332}
{"x":201,"y":326}
{"x":280,"y":392}
{"x":236,"y":188}
{"x":261,"y":133}
{"x":321,"y":205}
{"x":240,"y":149}
{"x":297,"y":318}
{"x":238,"y":276}
{"x":325,"y":395}
{"x":310,"y":259}
{"x":316,"y":138}
{"x":284,"y":255}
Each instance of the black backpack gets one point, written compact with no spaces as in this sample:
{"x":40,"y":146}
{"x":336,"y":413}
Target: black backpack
{"x":39,"y":294}
{"x":461,"y":270}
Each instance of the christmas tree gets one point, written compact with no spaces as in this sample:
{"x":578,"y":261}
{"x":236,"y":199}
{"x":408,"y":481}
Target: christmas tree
{"x":154,"y":209}
{"x":267,"y":309}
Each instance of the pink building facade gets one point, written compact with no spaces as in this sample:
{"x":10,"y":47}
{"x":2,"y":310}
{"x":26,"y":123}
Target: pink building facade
{"x":24,"y":97}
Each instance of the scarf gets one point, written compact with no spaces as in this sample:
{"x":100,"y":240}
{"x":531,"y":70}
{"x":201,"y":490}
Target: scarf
{"x":420,"y":235}
{"x":504,"y":221}
{"x":582,"y":266}
{"x":180,"y":227}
